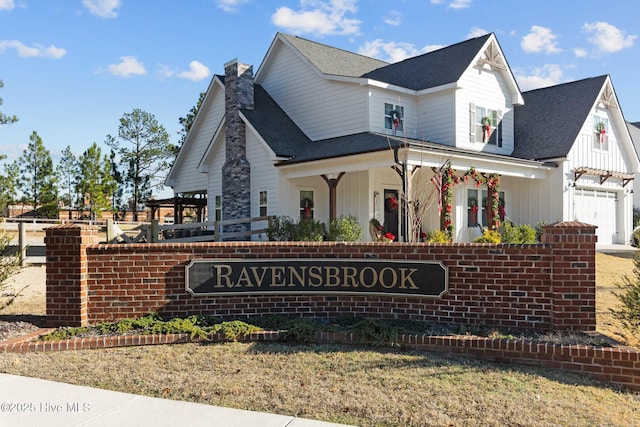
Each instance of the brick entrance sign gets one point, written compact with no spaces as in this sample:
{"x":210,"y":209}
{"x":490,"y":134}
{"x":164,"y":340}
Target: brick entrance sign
{"x":536,"y":287}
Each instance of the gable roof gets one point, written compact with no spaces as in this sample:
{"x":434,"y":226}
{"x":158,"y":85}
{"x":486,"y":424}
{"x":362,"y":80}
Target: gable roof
{"x":432,"y":69}
{"x":331,"y":60}
{"x":549,"y":122}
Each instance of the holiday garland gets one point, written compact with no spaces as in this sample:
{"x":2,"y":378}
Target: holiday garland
{"x":449,"y":179}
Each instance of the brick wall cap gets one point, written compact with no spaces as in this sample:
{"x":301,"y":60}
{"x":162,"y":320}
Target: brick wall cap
{"x":69,"y":226}
{"x":569,"y":224}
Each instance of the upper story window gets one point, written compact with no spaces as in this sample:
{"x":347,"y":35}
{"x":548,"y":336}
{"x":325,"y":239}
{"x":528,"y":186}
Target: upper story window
{"x":486,"y":125}
{"x":600,"y":132}
{"x":394,"y":117}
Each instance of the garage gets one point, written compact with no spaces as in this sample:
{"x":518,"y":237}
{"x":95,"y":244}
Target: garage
{"x":600,"y":208}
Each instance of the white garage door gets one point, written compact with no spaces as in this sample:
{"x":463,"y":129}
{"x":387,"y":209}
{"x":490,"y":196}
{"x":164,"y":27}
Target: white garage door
{"x":599,"y":208}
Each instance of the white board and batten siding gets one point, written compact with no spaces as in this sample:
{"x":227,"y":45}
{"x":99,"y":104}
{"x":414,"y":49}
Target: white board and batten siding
{"x":482,"y":87}
{"x":190,"y":180}
{"x":321,"y":107}
{"x":605,"y":205}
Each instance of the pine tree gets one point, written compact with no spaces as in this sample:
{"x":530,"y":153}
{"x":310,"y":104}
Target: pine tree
{"x":37,"y":180}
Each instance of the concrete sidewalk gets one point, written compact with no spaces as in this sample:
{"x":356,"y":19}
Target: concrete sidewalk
{"x":31,"y":402}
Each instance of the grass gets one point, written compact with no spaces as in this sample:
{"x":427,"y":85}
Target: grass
{"x":355,"y":385}
{"x":346,"y":384}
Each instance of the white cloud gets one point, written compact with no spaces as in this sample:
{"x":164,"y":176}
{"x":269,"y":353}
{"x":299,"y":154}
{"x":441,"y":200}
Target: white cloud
{"x":579,"y":52}
{"x":540,"y":39}
{"x":36,"y":51}
{"x":231,"y":5}
{"x":436,"y":1}
{"x":102,"y":8}
{"x":607,"y":38}
{"x":393,"y":51}
{"x":477,"y":32}
{"x":548,"y":75}
{"x":128,"y":66}
{"x":7,"y":5}
{"x":460,"y":4}
{"x":393,"y":18}
{"x":319,"y":18}
{"x":197,"y":71}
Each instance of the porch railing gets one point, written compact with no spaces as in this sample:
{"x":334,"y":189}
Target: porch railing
{"x":211,"y":231}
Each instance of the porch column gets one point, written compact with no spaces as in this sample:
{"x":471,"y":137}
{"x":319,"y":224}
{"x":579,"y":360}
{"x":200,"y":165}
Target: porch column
{"x":332,"y":182}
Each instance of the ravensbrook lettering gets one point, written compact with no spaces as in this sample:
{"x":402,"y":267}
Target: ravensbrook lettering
{"x":313,"y":276}
{"x":316,"y":276}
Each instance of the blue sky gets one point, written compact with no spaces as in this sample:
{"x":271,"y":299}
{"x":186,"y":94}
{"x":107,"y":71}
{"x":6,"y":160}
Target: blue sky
{"x":72,"y":68}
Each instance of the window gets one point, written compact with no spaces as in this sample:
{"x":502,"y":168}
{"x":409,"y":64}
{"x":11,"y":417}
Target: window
{"x":306,"y":204}
{"x":486,"y":125}
{"x":218,"y":208}
{"x":394,"y":117}
{"x":600,"y":132}
{"x":477,"y":208}
{"x":263,"y":203}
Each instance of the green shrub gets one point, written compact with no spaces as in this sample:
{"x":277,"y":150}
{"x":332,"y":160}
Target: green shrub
{"x":345,"y":229}
{"x":308,"y":230}
{"x":281,"y":229}
{"x":438,"y":236}
{"x":635,"y":237}
{"x":520,"y":234}
{"x":234,"y":329}
{"x":284,"y":229}
{"x":628,"y":295}
{"x":489,"y":236}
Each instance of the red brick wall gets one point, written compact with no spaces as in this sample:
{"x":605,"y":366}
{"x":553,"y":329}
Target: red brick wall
{"x":535,"y":287}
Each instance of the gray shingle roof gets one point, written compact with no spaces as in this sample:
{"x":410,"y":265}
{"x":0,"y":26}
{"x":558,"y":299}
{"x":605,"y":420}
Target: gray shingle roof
{"x":549,"y":122}
{"x":282,"y":135}
{"x":334,"y":61}
{"x":432,"y":69}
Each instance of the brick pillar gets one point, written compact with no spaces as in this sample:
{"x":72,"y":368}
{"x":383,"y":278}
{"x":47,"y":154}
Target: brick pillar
{"x":573,"y":274}
{"x":67,"y":273}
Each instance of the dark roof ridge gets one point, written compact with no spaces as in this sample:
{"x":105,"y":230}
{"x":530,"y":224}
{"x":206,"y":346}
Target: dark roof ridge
{"x":486,"y":36}
{"x":558,"y":85}
{"x":332,"y":47}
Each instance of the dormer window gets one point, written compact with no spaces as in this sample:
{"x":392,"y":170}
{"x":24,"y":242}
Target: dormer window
{"x":394,"y":117}
{"x":600,"y":132}
{"x":486,"y":125}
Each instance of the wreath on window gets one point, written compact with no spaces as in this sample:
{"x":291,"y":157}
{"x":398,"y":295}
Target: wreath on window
{"x":391,"y":204}
{"x":486,"y":128}
{"x":602,"y":130}
{"x":395,"y":117}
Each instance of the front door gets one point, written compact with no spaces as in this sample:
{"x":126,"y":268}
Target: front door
{"x":391,"y":208}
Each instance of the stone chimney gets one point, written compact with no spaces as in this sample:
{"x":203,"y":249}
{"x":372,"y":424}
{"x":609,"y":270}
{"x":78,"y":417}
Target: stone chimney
{"x":236,"y":171}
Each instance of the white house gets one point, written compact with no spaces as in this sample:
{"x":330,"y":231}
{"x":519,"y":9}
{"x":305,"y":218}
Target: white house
{"x":321,"y":132}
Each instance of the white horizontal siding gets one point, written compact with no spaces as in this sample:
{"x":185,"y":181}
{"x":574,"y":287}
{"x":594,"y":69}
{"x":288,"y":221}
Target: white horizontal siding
{"x":436,"y":118}
{"x":264,"y":177}
{"x":189,"y":179}
{"x":214,"y":180}
{"x":321,"y":108}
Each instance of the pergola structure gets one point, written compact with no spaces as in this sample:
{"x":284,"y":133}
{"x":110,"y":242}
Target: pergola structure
{"x":179,"y":204}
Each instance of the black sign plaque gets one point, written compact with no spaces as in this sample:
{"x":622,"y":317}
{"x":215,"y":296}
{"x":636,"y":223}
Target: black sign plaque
{"x":317,"y":276}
